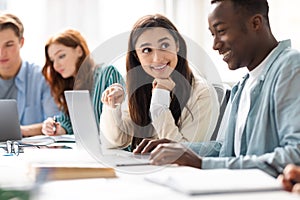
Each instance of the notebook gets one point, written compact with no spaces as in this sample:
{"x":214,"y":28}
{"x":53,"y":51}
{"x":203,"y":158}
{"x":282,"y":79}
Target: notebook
{"x":87,"y":135}
{"x":47,"y":140}
{"x":194,"y":181}
{"x":9,"y":121}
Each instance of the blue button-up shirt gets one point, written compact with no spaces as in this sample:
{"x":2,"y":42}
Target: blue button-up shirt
{"x":34,"y":99}
{"x":272,"y":130}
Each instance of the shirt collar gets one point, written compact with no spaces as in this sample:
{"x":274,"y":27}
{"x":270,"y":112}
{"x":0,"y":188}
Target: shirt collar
{"x":267,"y":63}
{"x":282,"y":45}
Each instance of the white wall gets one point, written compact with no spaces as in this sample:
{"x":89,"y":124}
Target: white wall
{"x":99,"y":20}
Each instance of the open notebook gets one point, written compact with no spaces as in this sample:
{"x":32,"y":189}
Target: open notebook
{"x":194,"y":181}
{"x":46,"y":140}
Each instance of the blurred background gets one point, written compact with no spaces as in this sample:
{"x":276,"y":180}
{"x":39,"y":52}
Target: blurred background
{"x":100,"y":20}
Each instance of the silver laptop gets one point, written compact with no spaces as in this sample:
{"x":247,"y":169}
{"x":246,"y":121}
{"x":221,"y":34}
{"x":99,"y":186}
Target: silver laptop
{"x":9,"y":121}
{"x":86,"y":132}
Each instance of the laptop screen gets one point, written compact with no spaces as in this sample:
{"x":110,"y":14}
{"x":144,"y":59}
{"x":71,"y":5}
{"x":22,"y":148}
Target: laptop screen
{"x":83,"y":120}
{"x":9,"y":120}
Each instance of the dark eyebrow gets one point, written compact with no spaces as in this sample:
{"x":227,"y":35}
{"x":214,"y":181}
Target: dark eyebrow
{"x":59,"y":50}
{"x":145,"y":44}
{"x":160,"y":40}
{"x":51,"y":59}
{"x":217,"y":24}
{"x":10,"y":41}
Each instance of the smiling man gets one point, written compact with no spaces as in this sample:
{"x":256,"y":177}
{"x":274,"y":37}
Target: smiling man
{"x":261,"y":121}
{"x":21,"y":80}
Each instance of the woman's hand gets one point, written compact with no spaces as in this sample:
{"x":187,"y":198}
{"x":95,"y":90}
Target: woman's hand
{"x":113,"y":95}
{"x":51,"y":127}
{"x":167,"y":84}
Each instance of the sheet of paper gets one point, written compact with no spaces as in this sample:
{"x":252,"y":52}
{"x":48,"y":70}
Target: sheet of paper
{"x":195,"y":181}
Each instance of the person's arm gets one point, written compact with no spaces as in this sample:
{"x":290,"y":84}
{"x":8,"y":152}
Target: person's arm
{"x":197,"y":118}
{"x":31,"y":130}
{"x":115,"y":127}
{"x":283,"y":114}
{"x":65,"y":123}
{"x":103,"y":78}
{"x":175,"y":153}
{"x":211,"y":148}
{"x":115,"y":123}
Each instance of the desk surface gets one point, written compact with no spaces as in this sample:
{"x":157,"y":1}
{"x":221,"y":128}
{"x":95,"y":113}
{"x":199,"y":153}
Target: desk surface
{"x":128,"y":185}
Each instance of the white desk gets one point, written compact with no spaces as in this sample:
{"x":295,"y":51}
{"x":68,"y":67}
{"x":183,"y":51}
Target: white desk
{"x":127,"y":186}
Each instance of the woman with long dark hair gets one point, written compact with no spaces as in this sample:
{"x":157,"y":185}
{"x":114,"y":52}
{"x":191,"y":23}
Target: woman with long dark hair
{"x":165,"y":99}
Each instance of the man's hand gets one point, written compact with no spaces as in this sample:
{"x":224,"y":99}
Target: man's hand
{"x":290,"y":178}
{"x":148,"y":145}
{"x":175,"y":153}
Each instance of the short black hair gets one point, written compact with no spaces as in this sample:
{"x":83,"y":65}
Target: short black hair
{"x":250,"y":7}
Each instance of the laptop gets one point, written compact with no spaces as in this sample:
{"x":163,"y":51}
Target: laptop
{"x":86,"y":132}
{"x":10,"y":127}
{"x":9,"y":121}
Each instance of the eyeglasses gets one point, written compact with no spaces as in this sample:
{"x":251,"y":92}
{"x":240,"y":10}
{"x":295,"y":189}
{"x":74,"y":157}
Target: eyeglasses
{"x":13,"y":147}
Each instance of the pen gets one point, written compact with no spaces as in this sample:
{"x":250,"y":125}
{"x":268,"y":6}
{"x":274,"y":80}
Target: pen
{"x":54,"y":125}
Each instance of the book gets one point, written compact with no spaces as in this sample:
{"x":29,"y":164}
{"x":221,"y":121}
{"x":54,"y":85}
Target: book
{"x":194,"y":181}
{"x":43,"y":173}
{"x":63,"y":164}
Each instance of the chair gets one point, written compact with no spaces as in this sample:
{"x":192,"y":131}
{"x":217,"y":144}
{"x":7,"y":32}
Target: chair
{"x":224,"y":100}
{"x":220,"y":91}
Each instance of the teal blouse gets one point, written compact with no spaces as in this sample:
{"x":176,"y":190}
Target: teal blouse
{"x":103,"y":78}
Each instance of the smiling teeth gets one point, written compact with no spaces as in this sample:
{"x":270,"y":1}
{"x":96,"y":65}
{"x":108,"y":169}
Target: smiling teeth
{"x":160,"y":67}
{"x":226,"y":53}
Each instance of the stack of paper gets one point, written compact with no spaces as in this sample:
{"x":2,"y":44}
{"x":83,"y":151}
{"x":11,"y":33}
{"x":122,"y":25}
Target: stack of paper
{"x":195,"y":181}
